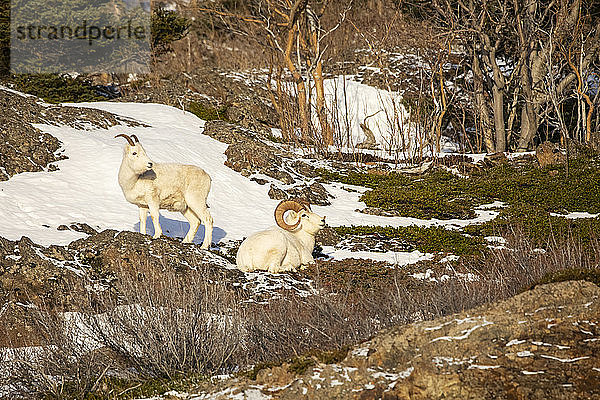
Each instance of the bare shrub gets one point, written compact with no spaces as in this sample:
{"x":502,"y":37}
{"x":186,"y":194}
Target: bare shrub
{"x":499,"y":274}
{"x":167,"y":323}
{"x":59,"y":367}
{"x":290,"y":327}
{"x":155,"y":322}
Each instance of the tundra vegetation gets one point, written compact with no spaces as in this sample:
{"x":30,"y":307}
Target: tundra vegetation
{"x":492,"y":76}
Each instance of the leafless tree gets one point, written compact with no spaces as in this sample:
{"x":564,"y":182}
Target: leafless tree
{"x":294,"y":34}
{"x":507,"y":41}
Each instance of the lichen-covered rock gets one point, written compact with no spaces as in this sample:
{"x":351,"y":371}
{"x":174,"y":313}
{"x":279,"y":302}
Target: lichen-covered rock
{"x":541,"y":344}
{"x":494,"y":159}
{"x":314,"y":194}
{"x":227,"y":133}
{"x":25,"y":148}
{"x":327,"y":237}
{"x":249,"y":157}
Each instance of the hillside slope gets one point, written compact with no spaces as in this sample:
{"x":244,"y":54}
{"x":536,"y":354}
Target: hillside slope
{"x":541,"y":344}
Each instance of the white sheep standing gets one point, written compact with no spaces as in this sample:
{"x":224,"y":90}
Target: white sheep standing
{"x":175,"y":187}
{"x":284,"y":247}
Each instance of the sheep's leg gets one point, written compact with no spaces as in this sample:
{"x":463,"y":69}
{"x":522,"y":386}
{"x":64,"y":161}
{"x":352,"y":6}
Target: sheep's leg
{"x":194,"y":224}
{"x":155,"y":214}
{"x":275,"y":260}
{"x":198,"y":206}
{"x":207,"y":221}
{"x":143,"y":215}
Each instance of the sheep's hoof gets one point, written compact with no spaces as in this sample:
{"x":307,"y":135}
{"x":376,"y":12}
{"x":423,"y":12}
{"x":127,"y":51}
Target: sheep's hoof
{"x":156,"y":236}
{"x":204,"y":247}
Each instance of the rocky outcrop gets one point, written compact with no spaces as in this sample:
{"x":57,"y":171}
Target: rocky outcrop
{"x":250,"y":157}
{"x":24,"y":148}
{"x":226,"y":132}
{"x":541,"y":344}
{"x":61,"y":277}
{"x":244,"y":100}
{"x":314,"y":193}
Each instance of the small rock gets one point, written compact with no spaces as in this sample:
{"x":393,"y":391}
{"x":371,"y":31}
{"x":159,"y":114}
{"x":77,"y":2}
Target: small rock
{"x":495,"y":159}
{"x":260,"y":181}
{"x":327,"y":237}
{"x":315,"y":194}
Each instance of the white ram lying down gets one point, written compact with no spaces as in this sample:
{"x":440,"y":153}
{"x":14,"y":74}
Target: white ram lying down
{"x":174,"y":187}
{"x":284,"y":247}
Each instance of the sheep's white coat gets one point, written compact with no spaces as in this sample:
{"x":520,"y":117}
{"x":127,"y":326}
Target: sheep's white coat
{"x":174,"y":187}
{"x":278,"y":250}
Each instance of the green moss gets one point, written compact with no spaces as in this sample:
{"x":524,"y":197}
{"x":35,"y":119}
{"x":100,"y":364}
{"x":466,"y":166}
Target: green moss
{"x":419,"y":203}
{"x":208,"y":113}
{"x":55,"y":88}
{"x":332,"y":356}
{"x":300,"y":365}
{"x":425,"y":239}
{"x":363,"y":179}
{"x":541,"y":228}
{"x":572,"y":274}
{"x":439,"y":194}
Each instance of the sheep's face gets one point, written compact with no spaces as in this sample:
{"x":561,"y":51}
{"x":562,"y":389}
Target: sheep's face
{"x":137,"y":159}
{"x":309,"y":221}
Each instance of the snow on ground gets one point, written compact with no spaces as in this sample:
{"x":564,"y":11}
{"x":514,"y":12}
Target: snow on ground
{"x":397,"y":258}
{"x":575,"y":215}
{"x":85,"y":189}
{"x":352,"y":101}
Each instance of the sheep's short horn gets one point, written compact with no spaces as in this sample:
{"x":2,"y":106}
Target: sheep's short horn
{"x":280,"y":210}
{"x":126,"y":137}
{"x":135,"y":139}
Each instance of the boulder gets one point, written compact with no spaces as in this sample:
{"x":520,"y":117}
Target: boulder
{"x":541,"y":344}
{"x":314,"y":194}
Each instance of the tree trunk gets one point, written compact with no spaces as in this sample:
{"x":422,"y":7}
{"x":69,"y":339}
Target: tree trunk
{"x":498,"y":85}
{"x":499,"y":126}
{"x":300,"y":86}
{"x":532,"y":75}
{"x":481,"y":105}
{"x":317,"y":73}
{"x":326,"y":130}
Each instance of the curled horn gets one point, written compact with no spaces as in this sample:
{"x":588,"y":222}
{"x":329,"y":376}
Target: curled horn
{"x":135,"y":139}
{"x":305,"y":203}
{"x":126,"y":137}
{"x":287,"y":205}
